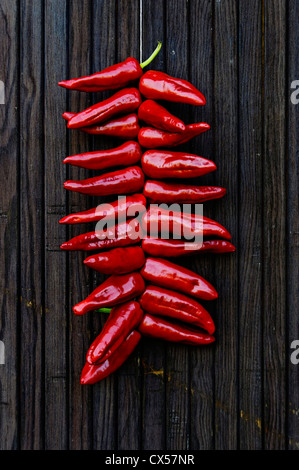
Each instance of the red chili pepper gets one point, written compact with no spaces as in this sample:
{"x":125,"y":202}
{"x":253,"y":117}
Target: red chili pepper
{"x":171,"y":248}
{"x":127,"y":206}
{"x":163,"y":273}
{"x":151,"y":138}
{"x":126,"y":154}
{"x":159,"y":164}
{"x":117,"y":261}
{"x":160,"y":86}
{"x":113,"y":291}
{"x":167,"y":303}
{"x":157,"y":116}
{"x":122,"y":320}
{"x":125,"y":181}
{"x":181,"y":223}
{"x":94,"y":373}
{"x":169,"y":193}
{"x":123,"y":127}
{"x":68,"y":115}
{"x":115,"y":76}
{"x":124,"y":234}
{"x":123,"y":101}
{"x":156,"y":327}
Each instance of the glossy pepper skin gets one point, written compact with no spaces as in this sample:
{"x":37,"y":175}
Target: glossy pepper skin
{"x":180,"y":223}
{"x":160,"y":86}
{"x":163,"y":273}
{"x":160,"y":164}
{"x":94,"y":373}
{"x":168,"y":303}
{"x":122,"y":320}
{"x":122,"y":102}
{"x":113,"y":77}
{"x":126,"y":154}
{"x":170,"y":193}
{"x":114,"y":290}
{"x":123,"y":207}
{"x":125,"y":181}
{"x":123,"y":234}
{"x":117,"y":261}
{"x":157,"y":116}
{"x":123,"y":127}
{"x":156,"y":327}
{"x":151,"y":138}
{"x":172,"y":248}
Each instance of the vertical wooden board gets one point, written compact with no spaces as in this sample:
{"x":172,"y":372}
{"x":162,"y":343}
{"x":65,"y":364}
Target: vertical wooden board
{"x":274,"y":218}
{"x":56,"y":282}
{"x":226,"y":159}
{"x":292,"y":224}
{"x":129,"y":400}
{"x":153,"y":352}
{"x":153,"y":392}
{"x":250,"y":225}
{"x":9,"y":222}
{"x":202,"y":359}
{"x":177,"y":356}
{"x":32,"y":226}
{"x":104,"y":393}
{"x":79,"y":41}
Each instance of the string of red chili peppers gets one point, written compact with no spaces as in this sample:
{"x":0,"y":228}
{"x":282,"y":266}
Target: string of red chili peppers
{"x":144,"y":293}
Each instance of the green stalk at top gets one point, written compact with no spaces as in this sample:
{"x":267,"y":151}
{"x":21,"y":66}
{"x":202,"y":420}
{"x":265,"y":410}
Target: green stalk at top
{"x":151,"y":57}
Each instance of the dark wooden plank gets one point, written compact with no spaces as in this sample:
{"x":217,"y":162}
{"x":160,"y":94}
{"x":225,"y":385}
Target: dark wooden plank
{"x":153,"y":352}
{"x":177,"y":356}
{"x":32,"y":226}
{"x":202,"y":359}
{"x":250,"y":224}
{"x":129,"y":399}
{"x":9,"y":222}
{"x":56,"y":283}
{"x":226,"y":159}
{"x":274,"y":218}
{"x":103,"y":45}
{"x":80,"y":19}
{"x":293,"y":224}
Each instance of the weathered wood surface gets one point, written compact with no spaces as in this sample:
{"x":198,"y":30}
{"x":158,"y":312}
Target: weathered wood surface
{"x":241,"y":393}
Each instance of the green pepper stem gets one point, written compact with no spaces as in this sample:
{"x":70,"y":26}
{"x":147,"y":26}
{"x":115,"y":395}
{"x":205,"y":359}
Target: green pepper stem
{"x":104,"y":310}
{"x":148,"y":61}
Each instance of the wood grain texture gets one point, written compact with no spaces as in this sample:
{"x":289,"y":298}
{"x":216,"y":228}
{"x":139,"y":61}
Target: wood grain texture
{"x":79,"y":60}
{"x":241,"y":392}
{"x":56,"y":287}
{"x":274,"y":226}
{"x":226,"y":159}
{"x":32,"y":224}
{"x":250,"y":225}
{"x":292,"y":274}
{"x":201,"y":49}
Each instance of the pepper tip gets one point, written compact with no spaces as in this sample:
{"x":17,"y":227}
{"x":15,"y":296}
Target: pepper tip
{"x":78,"y":309}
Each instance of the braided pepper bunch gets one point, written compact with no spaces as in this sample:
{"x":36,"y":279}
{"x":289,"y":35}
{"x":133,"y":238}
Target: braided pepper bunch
{"x":143,"y":293}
